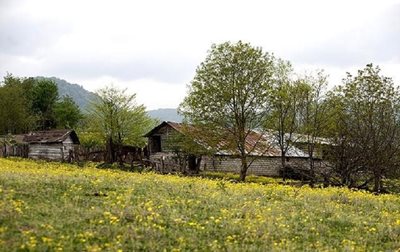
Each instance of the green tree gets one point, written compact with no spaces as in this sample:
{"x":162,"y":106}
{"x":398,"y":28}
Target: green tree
{"x":15,"y":113}
{"x":229,"y":93}
{"x":118,"y":119}
{"x":190,"y":144}
{"x":66,"y":113}
{"x":367,"y":128}
{"x":286,"y":104}
{"x":43,"y":96}
{"x":314,"y":116}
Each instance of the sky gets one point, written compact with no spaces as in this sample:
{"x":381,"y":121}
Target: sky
{"x":152,"y":48}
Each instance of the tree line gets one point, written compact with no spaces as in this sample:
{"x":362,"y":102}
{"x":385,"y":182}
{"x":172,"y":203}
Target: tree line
{"x":239,"y":89}
{"x":28,"y":104}
{"x":112,"y":119}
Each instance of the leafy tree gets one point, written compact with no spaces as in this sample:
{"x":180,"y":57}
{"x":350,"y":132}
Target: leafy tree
{"x":119,"y":120}
{"x":44,"y":95}
{"x":189,"y":145}
{"x":66,"y":113}
{"x":30,"y":103}
{"x":367,"y":130}
{"x":15,"y":113}
{"x":314,"y":115}
{"x":229,"y":93}
{"x":286,"y":103}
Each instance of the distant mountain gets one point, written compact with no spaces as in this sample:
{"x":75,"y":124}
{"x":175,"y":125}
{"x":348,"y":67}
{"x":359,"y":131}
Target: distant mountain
{"x":165,"y":114}
{"x":80,"y":95}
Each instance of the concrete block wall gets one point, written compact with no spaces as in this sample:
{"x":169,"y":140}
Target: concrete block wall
{"x":262,"y":166}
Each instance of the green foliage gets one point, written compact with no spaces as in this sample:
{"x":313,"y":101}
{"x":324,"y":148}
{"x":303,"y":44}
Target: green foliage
{"x":189,"y":145}
{"x":286,"y":101}
{"x":89,"y":139}
{"x":116,"y":117}
{"x":233,"y":177}
{"x":229,"y":93}
{"x":80,"y":95}
{"x":66,"y":113}
{"x":29,"y":104}
{"x":53,"y":206}
{"x":191,"y":141}
{"x":44,"y":95}
{"x":313,"y":118}
{"x":367,"y":127}
{"x":314,"y":110}
{"x":15,"y":113}
{"x":233,"y":82}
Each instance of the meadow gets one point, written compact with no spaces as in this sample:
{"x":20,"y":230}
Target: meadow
{"x":61,"y":207}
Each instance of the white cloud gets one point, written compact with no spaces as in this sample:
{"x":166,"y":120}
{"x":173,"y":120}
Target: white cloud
{"x":153,"y":94}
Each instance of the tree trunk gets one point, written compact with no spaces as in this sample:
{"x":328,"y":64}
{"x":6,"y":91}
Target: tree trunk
{"x":119,"y":154}
{"x":243,"y":170}
{"x":283,"y":162}
{"x":110,"y":151}
{"x":377,"y":180}
{"x":312,"y":170}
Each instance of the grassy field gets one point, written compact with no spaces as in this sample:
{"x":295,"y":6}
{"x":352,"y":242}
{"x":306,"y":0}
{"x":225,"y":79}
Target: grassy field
{"x":52,"y":206}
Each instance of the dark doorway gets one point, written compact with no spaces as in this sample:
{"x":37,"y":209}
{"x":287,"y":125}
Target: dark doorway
{"x":155,"y":144}
{"x":192,"y":163}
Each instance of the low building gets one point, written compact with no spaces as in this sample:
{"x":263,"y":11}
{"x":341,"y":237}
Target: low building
{"x":264,"y":157}
{"x":57,"y":145}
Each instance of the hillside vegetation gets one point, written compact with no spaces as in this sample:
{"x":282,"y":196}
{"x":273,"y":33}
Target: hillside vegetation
{"x":81,"y":96}
{"x":54,"y":206}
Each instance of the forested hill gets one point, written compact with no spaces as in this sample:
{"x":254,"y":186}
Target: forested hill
{"x":80,"y":95}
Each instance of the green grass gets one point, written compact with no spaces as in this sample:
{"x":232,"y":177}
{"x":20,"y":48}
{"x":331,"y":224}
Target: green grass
{"x":52,"y":206}
{"x":234,"y":177}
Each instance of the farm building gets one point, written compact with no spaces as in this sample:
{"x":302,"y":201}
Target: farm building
{"x":58,"y":145}
{"x":265,"y":156}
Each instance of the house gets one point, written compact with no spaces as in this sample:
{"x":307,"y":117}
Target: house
{"x":58,"y":145}
{"x":264,"y":153}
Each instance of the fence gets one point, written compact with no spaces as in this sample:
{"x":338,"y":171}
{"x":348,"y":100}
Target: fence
{"x":127,"y":154}
{"x":14,"y":151}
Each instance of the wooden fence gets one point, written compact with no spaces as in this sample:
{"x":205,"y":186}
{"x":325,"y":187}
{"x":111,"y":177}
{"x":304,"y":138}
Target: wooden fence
{"x":127,"y":154}
{"x":14,"y":151}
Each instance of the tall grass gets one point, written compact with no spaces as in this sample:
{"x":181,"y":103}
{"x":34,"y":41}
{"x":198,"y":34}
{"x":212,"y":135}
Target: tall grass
{"x":53,"y":206}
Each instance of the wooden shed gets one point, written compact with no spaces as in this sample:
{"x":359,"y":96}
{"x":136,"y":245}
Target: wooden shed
{"x":52,"y":145}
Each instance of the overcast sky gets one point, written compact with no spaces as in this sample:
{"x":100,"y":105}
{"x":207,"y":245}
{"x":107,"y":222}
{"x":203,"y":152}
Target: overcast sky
{"x":152,"y":48}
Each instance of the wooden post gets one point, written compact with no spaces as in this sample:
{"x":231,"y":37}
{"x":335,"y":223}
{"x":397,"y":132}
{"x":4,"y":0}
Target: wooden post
{"x":62,"y":153}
